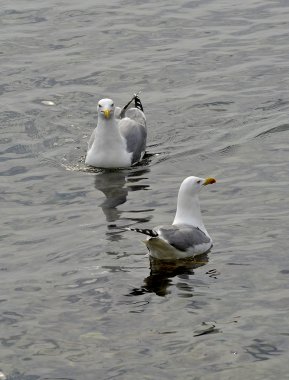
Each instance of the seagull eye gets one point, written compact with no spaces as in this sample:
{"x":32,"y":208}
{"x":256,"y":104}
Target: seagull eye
{"x":199,"y":181}
{"x":99,"y":105}
{"x":112,"y":105}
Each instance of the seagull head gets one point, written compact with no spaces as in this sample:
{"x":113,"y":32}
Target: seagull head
{"x":192,"y":185}
{"x":188,"y":207}
{"x":105,"y":108}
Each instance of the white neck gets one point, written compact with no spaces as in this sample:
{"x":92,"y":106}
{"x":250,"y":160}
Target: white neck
{"x":107,"y":128}
{"x":189,"y":212}
{"x":109,"y":146}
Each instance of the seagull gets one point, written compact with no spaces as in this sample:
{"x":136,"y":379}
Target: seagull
{"x":119,"y":139}
{"x":187,"y":236}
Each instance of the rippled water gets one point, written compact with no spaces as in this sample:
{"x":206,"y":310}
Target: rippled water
{"x":79,"y":297}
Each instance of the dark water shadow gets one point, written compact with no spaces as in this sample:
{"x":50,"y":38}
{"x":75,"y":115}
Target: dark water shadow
{"x":162,"y":272}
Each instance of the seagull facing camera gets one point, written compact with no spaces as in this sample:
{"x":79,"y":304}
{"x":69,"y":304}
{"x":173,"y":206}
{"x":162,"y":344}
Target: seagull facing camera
{"x":119,"y":139}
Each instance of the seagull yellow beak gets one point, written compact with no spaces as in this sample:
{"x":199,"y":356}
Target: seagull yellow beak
{"x":209,"y":181}
{"x":106,"y":114}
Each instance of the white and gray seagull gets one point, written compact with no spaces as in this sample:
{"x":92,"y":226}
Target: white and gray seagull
{"x":119,"y":139}
{"x":187,"y":236}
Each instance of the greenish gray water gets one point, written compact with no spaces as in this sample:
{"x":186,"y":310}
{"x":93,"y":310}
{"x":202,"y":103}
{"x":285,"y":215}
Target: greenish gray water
{"x":79,"y":297}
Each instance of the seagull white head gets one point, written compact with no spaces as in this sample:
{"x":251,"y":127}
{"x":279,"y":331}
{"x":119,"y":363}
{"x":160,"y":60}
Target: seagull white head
{"x":192,"y":185}
{"x":188,"y":207}
{"x":105,"y":108}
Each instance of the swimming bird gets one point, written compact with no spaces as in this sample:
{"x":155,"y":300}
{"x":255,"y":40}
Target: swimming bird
{"x":187,"y":236}
{"x":119,"y":139}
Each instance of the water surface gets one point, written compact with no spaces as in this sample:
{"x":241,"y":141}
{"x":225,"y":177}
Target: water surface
{"x":79,"y":297}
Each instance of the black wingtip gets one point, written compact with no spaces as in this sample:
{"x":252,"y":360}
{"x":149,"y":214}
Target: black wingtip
{"x":137,"y":103}
{"x":148,"y":232}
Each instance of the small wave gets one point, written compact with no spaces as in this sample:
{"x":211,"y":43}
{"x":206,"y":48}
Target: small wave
{"x":279,"y":128}
{"x":273,"y":105}
{"x":80,"y":167}
{"x":213,"y":104}
{"x":228,"y":149}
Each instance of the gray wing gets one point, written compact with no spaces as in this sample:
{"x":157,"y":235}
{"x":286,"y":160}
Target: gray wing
{"x":133,"y":129}
{"x":182,"y":237}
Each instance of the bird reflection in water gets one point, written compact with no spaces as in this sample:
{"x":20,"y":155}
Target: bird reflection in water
{"x":112,"y":184}
{"x":162,"y":273}
{"x":115,"y":185}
